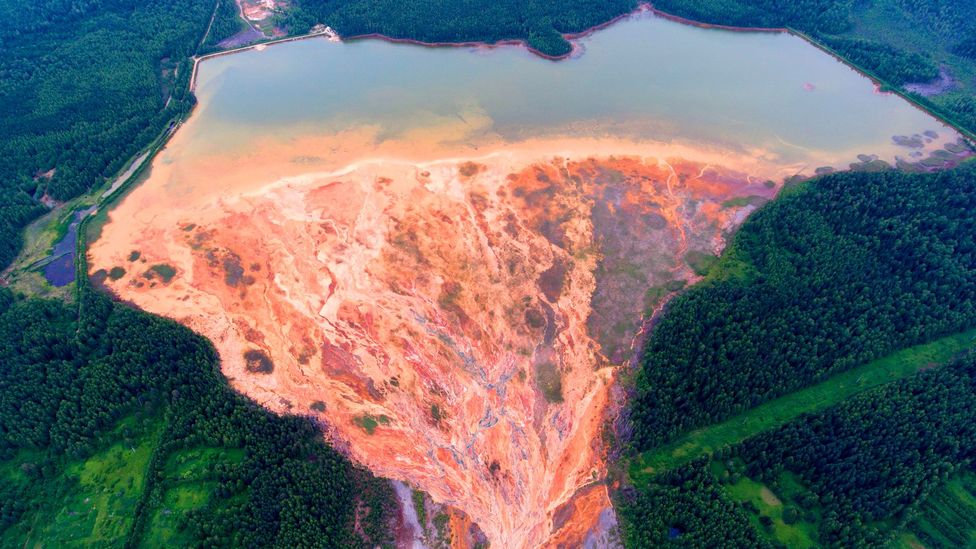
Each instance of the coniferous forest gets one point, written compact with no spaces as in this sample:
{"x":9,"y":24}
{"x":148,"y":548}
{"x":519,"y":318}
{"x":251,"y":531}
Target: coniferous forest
{"x":71,"y":373}
{"x":120,"y":422}
{"x":540,"y":23}
{"x":846,"y":269}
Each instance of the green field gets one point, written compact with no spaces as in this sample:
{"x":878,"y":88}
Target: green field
{"x":785,"y":520}
{"x":94,"y":502}
{"x":946,"y":518}
{"x":90,"y":502}
{"x":187,"y":483}
{"x":779,"y":411}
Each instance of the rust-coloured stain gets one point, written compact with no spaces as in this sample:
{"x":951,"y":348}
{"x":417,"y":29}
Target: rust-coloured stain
{"x":480,"y":306}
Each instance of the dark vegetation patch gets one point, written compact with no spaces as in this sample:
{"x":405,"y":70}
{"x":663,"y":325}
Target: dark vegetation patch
{"x":369,"y":423}
{"x":842,"y":272}
{"x":538,"y":22}
{"x":687,"y":507}
{"x":134,"y":255}
{"x":870,"y":165}
{"x":896,"y":65}
{"x":549,"y":380}
{"x":655,"y":294}
{"x":318,"y":406}
{"x":912,"y":142}
{"x":162,"y":270}
{"x":116,"y":273}
{"x":966,"y":47}
{"x":233,"y":271}
{"x":105,"y":409}
{"x":534,"y":318}
{"x":700,"y":261}
{"x":743,"y":201}
{"x":468,"y":169}
{"x":258,"y":362}
{"x":551,"y":280}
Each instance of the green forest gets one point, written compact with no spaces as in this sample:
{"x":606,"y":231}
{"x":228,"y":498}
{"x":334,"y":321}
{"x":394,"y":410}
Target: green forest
{"x":116,"y":427}
{"x":96,"y":397}
{"x":84,"y":85}
{"x":864,"y":473}
{"x":538,"y":22}
{"x":837,"y":271}
{"x":843,"y":270}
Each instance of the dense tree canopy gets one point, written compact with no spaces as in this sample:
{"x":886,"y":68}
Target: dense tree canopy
{"x":70,"y":373}
{"x":685,"y":507}
{"x":83,"y":86}
{"x":871,"y":459}
{"x":898,"y":66}
{"x":849,"y":268}
{"x":539,"y":22}
{"x":830,"y":16}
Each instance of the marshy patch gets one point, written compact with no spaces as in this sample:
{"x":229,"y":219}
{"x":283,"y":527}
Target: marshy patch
{"x":534,"y":318}
{"x":654,"y":294}
{"x":743,"y":201}
{"x":549,"y":380}
{"x":468,"y":169}
{"x":700,"y":262}
{"x":258,"y":362}
{"x":912,"y":142}
{"x":318,"y":406}
{"x":162,"y":270}
{"x":134,"y":255}
{"x":369,"y":423}
{"x":233,"y":270}
{"x":116,"y":273}
{"x":551,"y":280}
{"x":869,"y":163}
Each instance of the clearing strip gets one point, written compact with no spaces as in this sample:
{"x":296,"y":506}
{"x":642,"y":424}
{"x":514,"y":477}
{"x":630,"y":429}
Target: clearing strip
{"x":774,"y":413}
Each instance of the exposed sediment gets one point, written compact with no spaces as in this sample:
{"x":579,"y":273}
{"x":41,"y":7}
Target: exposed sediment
{"x":454,"y":322}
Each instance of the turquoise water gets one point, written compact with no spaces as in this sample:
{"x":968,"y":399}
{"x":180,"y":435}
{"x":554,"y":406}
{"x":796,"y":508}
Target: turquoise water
{"x":644,"y":77}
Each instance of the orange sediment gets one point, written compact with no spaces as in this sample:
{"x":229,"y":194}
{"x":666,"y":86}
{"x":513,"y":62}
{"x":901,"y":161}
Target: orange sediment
{"x":452,"y":315}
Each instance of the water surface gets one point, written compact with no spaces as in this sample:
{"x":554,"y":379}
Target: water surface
{"x":372,"y":232}
{"x":645,"y":77}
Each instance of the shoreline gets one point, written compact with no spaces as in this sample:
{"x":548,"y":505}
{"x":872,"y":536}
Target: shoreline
{"x":880,"y":84}
{"x":83,"y":251}
{"x":642,"y":8}
{"x":257,"y":45}
{"x":508,"y":42}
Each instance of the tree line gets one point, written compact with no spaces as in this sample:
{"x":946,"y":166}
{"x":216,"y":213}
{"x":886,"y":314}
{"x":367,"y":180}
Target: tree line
{"x":940,"y":29}
{"x":846,"y":269}
{"x":539,"y":22}
{"x":870,"y":460}
{"x":867,"y":466}
{"x":72,"y":372}
{"x":685,"y":507}
{"x":84,"y":85}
